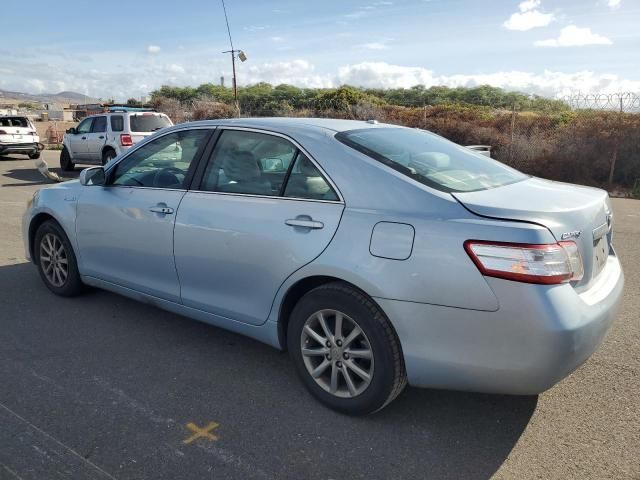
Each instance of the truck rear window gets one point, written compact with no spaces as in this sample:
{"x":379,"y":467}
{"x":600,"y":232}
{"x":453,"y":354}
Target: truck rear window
{"x":148,"y":123}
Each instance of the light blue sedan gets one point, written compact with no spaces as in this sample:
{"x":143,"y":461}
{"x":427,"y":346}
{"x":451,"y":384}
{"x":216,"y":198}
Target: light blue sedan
{"x":377,"y":255}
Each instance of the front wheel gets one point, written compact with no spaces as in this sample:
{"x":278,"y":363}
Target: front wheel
{"x":345,"y":350}
{"x":56,"y":260}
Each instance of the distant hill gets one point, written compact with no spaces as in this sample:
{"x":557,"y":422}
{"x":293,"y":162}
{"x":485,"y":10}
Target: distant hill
{"x":62,"y":97}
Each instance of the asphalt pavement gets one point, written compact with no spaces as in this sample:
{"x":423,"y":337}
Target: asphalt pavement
{"x":102,"y":387}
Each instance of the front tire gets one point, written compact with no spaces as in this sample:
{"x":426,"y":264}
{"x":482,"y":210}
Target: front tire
{"x":56,"y":260}
{"x":345,"y":350}
{"x":65,"y":160}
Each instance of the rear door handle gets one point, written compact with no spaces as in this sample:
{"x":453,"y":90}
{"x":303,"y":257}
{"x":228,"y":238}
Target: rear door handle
{"x":299,"y":222}
{"x":84,"y":138}
{"x":163,"y":210}
{"x":101,"y":137}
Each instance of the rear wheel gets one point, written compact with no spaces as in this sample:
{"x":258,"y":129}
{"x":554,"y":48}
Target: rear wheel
{"x":345,"y":350}
{"x":65,"y":160}
{"x":56,"y":260}
{"x":107,"y":156}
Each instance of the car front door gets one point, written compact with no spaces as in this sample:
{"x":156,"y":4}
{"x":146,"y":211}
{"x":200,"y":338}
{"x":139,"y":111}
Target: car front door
{"x":261,"y":211}
{"x":125,"y":228}
{"x":96,"y":138}
{"x":78,"y":141}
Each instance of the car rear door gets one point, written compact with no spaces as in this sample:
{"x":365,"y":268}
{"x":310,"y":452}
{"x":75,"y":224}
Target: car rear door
{"x":243,"y":230}
{"x":124,"y":229}
{"x":96,"y":138}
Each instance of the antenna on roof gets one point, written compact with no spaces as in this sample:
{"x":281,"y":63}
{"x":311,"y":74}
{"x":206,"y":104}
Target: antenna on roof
{"x":241,"y":55}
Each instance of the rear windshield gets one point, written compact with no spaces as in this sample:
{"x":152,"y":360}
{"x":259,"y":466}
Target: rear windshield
{"x":430,"y":159}
{"x":148,"y":123}
{"x":14,"y":122}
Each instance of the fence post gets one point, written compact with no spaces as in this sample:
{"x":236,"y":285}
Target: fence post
{"x":614,"y":157}
{"x":513,"y":128}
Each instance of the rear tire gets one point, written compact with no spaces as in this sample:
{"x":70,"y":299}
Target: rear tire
{"x":358,"y":375}
{"x":108,"y":155}
{"x":56,"y":260}
{"x":65,"y":160}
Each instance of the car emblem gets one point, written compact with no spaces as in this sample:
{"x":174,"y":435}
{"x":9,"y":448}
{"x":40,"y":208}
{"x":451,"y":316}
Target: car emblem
{"x":574,"y":234}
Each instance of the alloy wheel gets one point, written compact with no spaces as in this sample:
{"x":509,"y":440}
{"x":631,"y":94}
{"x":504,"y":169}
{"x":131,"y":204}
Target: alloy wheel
{"x":337,"y":353}
{"x":54,"y":260}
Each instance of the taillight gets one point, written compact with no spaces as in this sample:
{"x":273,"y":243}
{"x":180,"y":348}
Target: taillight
{"x":531,"y":263}
{"x":2,"y":132}
{"x":126,"y":140}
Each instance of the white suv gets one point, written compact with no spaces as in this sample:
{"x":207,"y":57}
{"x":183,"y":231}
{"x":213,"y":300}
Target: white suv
{"x":99,"y":138}
{"x":18,"y":135}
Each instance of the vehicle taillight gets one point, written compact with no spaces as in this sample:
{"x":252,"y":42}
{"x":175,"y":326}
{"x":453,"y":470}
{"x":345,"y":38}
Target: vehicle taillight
{"x":531,"y":263}
{"x":2,"y":132}
{"x":126,"y":140}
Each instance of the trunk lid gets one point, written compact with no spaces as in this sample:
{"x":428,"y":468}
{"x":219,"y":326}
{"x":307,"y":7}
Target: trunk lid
{"x":570,"y":212}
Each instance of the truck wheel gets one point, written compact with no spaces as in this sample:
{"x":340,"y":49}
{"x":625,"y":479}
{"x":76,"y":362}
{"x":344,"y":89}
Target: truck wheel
{"x":107,"y":156}
{"x":65,"y":160}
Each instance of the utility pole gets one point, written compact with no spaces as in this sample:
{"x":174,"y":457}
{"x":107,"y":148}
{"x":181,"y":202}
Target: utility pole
{"x":241,"y":55}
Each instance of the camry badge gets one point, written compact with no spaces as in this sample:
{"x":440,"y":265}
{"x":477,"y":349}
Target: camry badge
{"x":574,"y":234}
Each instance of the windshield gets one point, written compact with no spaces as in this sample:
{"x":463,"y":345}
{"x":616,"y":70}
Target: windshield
{"x":430,"y":159}
{"x":148,"y":123}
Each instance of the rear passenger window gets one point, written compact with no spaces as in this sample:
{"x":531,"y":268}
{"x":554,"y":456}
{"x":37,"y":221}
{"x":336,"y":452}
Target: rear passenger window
{"x":306,"y":181}
{"x":99,"y":125}
{"x":117,"y":123}
{"x":248,"y":162}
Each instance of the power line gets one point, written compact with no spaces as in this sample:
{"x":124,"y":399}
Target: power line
{"x":226,"y":19}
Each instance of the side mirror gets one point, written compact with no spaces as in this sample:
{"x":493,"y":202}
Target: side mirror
{"x":92,"y":176}
{"x":72,"y":131}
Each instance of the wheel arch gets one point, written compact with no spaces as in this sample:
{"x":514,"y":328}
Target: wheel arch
{"x":300,"y":288}
{"x":106,"y":148}
{"x":35,"y":223}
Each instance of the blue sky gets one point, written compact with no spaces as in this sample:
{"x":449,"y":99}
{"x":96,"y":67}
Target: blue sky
{"x":551,"y":47}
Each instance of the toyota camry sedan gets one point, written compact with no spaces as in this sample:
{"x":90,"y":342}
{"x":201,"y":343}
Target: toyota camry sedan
{"x":377,"y":255}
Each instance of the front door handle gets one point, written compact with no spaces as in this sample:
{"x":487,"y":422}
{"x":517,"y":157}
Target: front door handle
{"x":161,"y":209}
{"x":101,"y":137}
{"x":84,"y":138}
{"x":304,"y":223}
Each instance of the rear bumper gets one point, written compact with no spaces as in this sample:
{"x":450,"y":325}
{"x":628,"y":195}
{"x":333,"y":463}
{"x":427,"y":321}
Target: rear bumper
{"x":25,"y":148}
{"x":538,"y":336}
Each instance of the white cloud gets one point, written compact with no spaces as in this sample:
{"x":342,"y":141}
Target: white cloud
{"x":613,"y":3}
{"x":374,"y":46}
{"x":153,"y":49}
{"x":134,"y":78}
{"x":548,"y":83}
{"x":572,"y":36}
{"x":528,"y":17}
{"x":277,"y":39}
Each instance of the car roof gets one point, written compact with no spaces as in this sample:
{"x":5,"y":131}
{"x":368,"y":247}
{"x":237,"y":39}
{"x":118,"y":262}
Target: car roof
{"x":283,"y":123}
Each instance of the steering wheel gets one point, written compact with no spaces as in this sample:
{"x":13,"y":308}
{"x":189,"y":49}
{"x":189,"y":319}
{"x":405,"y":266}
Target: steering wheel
{"x":167,"y":176}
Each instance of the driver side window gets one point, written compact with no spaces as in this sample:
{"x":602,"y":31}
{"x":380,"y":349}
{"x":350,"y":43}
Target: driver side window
{"x":85,"y":126}
{"x":161,"y":163}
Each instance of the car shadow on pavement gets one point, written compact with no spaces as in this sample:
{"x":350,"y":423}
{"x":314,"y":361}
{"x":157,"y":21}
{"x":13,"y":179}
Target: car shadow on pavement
{"x":106,"y":348}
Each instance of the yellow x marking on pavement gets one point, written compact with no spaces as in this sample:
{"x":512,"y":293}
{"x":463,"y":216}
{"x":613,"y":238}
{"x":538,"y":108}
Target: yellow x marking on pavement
{"x":204,"y":432}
